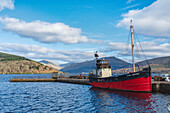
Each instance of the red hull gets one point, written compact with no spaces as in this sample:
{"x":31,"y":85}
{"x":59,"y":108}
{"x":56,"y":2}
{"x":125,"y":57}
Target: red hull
{"x":138,"y":84}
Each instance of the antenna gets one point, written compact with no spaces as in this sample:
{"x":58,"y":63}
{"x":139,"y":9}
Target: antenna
{"x":96,"y":55}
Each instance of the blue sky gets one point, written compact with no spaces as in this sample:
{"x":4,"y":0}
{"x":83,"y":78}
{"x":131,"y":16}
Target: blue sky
{"x":71,"y":30}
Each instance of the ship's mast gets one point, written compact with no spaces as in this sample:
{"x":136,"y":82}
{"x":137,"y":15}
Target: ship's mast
{"x":131,"y":29}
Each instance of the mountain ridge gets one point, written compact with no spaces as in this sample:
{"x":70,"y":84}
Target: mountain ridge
{"x":50,"y":64}
{"x":157,"y":60}
{"x":66,"y":64}
{"x":87,"y":66}
{"x":159,"y":63}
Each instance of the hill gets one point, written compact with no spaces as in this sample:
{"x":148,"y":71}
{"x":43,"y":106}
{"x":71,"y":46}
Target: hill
{"x":10,"y":57}
{"x":50,"y":64}
{"x":66,"y":64}
{"x":159,"y":60}
{"x":10,"y":64}
{"x":87,"y":66}
{"x":160,"y":64}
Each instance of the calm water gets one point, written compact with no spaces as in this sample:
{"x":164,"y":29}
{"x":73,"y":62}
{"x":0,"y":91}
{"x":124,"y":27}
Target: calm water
{"x":63,"y":97}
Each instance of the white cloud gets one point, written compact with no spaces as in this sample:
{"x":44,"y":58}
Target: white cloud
{"x":153,"y":20}
{"x":129,"y":1}
{"x":151,"y":49}
{"x":38,"y":52}
{"x":115,"y":46}
{"x":132,"y":6}
{"x":145,"y":38}
{"x":6,"y":4}
{"x":25,"y":48}
{"x":45,"y":32}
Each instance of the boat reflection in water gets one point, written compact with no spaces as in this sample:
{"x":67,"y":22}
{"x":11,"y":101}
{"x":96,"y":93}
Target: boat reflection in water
{"x":117,"y":101}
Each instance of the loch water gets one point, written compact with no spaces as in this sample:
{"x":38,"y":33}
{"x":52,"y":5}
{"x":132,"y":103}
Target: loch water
{"x":64,"y":97}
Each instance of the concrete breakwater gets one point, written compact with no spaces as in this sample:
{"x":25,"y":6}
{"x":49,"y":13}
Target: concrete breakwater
{"x":157,"y":86}
{"x":64,"y":80}
{"x":161,"y":86}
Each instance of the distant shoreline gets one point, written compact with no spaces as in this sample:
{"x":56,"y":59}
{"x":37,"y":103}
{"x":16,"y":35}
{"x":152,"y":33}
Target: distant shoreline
{"x":26,"y":73}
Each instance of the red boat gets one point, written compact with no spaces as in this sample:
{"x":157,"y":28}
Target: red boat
{"x":139,"y":81}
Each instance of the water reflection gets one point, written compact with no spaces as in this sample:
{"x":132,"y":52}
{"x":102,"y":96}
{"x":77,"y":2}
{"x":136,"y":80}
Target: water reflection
{"x":65,"y":98}
{"x":118,"y":101}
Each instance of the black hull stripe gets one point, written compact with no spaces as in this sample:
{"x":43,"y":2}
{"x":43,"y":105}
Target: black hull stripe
{"x":120,"y":78}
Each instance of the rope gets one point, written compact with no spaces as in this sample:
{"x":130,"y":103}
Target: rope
{"x":127,"y":49}
{"x":142,"y":50}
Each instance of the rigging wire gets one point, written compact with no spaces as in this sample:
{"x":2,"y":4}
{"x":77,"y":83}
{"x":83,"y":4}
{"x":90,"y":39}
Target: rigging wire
{"x":127,"y":48}
{"x":137,"y":55}
{"x":136,"y":45}
{"x":142,"y":50}
{"x":137,"y":52}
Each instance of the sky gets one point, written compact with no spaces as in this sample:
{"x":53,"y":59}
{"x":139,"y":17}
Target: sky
{"x":72,"y":30}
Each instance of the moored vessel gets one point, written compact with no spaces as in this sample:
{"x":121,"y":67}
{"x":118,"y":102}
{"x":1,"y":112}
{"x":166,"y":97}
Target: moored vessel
{"x":101,"y":77}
